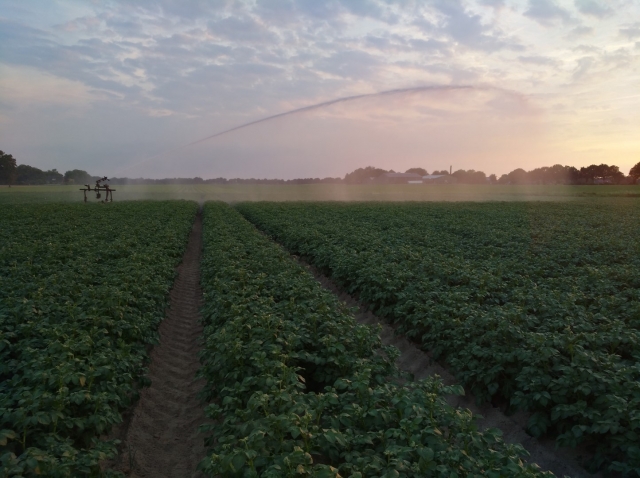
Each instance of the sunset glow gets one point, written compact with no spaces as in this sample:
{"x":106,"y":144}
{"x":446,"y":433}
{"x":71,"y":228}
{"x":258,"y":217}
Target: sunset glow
{"x":119,"y":89}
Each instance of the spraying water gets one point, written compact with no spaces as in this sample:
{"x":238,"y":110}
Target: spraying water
{"x":325,"y":104}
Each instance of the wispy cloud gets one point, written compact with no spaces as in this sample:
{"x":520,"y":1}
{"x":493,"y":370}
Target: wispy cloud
{"x":594,"y":8}
{"x":547,"y":12}
{"x":173,"y":70}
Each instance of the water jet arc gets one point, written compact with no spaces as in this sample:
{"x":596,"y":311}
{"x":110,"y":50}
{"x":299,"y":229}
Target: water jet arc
{"x":324,"y":104}
{"x":399,"y":91}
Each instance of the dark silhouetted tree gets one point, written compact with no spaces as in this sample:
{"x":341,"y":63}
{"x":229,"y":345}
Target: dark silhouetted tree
{"x":361,"y":175}
{"x":54,"y":177}
{"x":7,"y":168}
{"x":518,"y":176}
{"x":470,"y":177}
{"x":635,"y":172}
{"x":77,"y":176}
{"x":26,"y":174}
{"x":420,"y":171}
{"x":602,"y":172}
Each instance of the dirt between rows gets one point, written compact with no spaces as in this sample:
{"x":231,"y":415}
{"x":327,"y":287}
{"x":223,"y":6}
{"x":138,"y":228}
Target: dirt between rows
{"x":562,"y":462}
{"x":161,"y":438}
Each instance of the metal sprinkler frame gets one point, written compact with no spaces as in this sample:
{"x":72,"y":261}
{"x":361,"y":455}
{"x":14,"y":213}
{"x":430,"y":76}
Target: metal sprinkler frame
{"x":98,"y":188}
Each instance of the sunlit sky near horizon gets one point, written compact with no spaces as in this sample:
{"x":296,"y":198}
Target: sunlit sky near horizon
{"x":118,"y":87}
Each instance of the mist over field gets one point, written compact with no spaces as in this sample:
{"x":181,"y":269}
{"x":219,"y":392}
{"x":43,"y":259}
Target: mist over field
{"x":123,"y":89}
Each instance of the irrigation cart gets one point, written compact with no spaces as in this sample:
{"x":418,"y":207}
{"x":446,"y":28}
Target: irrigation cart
{"x":108,"y":196}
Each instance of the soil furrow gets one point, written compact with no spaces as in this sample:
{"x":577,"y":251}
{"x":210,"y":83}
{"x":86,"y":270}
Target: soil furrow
{"x":162,"y":438}
{"x":562,"y":462}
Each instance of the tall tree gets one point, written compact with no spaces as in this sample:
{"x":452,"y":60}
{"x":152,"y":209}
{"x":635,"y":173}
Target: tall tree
{"x":361,"y":175}
{"x":53,"y":176}
{"x":26,"y":174}
{"x":602,"y":172}
{"x":635,"y":172}
{"x":7,"y":168}
{"x":77,"y":176}
{"x":420,"y":171}
{"x":518,"y":176}
{"x":470,"y":177}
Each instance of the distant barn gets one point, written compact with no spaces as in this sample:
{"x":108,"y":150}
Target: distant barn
{"x":438,"y":179}
{"x":399,"y":178}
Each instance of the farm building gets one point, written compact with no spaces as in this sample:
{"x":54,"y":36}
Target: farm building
{"x":399,"y":178}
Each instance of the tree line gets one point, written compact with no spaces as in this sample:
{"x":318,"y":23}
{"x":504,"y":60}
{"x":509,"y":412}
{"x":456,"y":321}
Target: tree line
{"x":556,"y":174}
{"x":23,"y":174}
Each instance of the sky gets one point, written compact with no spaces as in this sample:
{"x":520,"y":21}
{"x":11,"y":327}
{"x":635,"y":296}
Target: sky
{"x":122,"y":88}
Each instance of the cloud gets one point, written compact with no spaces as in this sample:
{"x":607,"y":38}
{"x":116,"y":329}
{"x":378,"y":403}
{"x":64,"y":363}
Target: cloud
{"x":580,"y":32}
{"x":539,"y":60}
{"x":593,"y":8}
{"x":630,"y":31}
{"x":584,"y":67}
{"x":195,"y":66}
{"x":126,"y":27}
{"x":349,"y":64}
{"x":431,"y":46}
{"x":29,"y":87}
{"x":493,"y":3}
{"x":467,"y":28}
{"x":242,"y":30}
{"x":371,"y":9}
{"x":586,"y":49}
{"x":546,"y":12}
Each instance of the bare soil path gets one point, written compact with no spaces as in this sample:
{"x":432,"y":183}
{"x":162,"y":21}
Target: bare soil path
{"x":162,"y":439}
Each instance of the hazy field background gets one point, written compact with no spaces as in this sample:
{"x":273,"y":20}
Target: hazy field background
{"x":321,"y":192}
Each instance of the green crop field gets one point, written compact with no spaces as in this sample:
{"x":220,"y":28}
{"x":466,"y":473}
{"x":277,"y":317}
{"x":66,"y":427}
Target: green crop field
{"x":534,"y":306}
{"x":82,"y":291}
{"x":301,"y":390}
{"x":322,"y":192}
{"x":295,"y":387}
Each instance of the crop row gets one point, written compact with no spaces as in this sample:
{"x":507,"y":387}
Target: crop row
{"x":297,"y":388}
{"x":533,"y":306}
{"x":82,"y":291}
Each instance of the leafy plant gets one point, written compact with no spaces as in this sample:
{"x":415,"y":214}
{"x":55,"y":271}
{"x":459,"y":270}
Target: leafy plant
{"x":536,"y":305}
{"x":297,"y":388}
{"x":82,"y":291}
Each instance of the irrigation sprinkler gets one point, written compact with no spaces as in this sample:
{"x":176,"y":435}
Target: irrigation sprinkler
{"x":108,"y":196}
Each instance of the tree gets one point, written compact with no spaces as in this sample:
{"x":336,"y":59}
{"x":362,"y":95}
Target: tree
{"x":361,"y":175}
{"x":539,"y":175}
{"x":444,"y":172}
{"x":7,"y":168}
{"x":518,"y":176}
{"x":420,"y":171}
{"x":26,"y":174}
{"x":470,"y":177}
{"x":635,"y":172}
{"x":602,"y":172}
{"x":77,"y":176}
{"x":53,"y":176}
